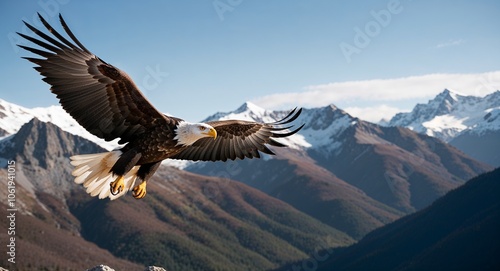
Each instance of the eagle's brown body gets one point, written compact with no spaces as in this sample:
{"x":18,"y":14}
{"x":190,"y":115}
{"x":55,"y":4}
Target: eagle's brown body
{"x":106,"y":102}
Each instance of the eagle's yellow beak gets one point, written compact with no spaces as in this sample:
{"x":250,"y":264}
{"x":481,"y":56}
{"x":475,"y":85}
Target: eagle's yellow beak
{"x":212,"y":133}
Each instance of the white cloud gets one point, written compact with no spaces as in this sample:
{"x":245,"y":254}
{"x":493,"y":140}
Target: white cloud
{"x":373,"y":113}
{"x":378,"y":91}
{"x":449,"y":43}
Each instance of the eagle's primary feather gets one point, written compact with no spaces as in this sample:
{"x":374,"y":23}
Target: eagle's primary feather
{"x":107,"y":103}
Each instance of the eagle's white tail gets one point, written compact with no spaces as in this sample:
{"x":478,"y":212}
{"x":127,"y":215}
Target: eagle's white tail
{"x":93,"y":171}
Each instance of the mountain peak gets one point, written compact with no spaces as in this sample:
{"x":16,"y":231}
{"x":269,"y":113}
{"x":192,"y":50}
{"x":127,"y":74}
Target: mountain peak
{"x":249,"y":106}
{"x":449,"y":95}
{"x":446,"y":93}
{"x":45,"y":147}
{"x":493,"y":97}
{"x":331,"y":113}
{"x":333,"y":107}
{"x":248,"y":111}
{"x":13,"y":117}
{"x":443,"y":102}
{"x":449,"y":114}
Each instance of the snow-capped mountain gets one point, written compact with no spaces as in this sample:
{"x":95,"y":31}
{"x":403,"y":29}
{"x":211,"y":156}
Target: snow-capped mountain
{"x":322,"y":125}
{"x":334,"y":154}
{"x":446,"y":117}
{"x":450,"y":114}
{"x":248,"y":111}
{"x":337,"y":151}
{"x":13,"y":116}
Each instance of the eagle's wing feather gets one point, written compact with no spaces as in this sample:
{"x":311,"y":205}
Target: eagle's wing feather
{"x":102,"y":98}
{"x":239,"y":139}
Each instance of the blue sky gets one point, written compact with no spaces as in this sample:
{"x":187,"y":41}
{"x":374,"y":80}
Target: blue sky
{"x":194,"y":58}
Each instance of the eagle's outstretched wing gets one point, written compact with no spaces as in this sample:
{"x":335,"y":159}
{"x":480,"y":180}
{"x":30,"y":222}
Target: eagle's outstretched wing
{"x":102,"y":98}
{"x":239,"y":139}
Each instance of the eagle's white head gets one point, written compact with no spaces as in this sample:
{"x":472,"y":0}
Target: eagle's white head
{"x":188,"y":133}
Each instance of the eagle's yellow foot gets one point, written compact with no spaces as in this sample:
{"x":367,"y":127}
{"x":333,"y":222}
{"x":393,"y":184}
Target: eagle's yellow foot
{"x":139,"y":190}
{"x":117,"y":186}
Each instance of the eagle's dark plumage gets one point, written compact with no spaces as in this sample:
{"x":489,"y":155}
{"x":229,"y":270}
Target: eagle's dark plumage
{"x":107,"y":103}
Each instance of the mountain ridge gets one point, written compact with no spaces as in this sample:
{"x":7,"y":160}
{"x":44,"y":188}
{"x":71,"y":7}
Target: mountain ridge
{"x":186,"y":222}
{"x":464,"y":236}
{"x":393,"y":166}
{"x":307,"y":196}
{"x":469,"y":123}
{"x":13,"y":116}
{"x":393,"y":169}
{"x":449,"y":114}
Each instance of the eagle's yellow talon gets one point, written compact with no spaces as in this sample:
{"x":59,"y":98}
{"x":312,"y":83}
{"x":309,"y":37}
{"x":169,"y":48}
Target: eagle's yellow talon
{"x":117,"y":186}
{"x":139,"y":191}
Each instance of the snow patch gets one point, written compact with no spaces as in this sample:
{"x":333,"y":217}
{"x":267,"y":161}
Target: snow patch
{"x":13,"y":117}
{"x":450,"y":114}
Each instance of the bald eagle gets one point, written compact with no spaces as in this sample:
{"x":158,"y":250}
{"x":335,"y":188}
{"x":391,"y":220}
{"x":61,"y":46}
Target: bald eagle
{"x":107,"y":103}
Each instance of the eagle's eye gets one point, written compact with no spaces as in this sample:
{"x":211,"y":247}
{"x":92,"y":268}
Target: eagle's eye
{"x":202,"y":128}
